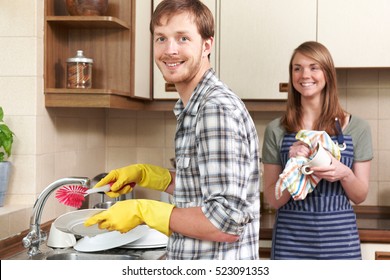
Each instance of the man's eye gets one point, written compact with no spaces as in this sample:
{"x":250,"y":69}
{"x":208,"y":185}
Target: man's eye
{"x":183,"y":39}
{"x":160,"y":39}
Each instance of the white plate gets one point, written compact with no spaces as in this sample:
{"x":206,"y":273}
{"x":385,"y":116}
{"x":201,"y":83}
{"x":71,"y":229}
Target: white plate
{"x":151,"y":239}
{"x":109,"y":240}
{"x":73,"y":222}
{"x":154,"y":246}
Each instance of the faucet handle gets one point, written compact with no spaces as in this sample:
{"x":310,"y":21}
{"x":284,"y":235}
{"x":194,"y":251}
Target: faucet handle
{"x":27,"y":240}
{"x":32,"y":241}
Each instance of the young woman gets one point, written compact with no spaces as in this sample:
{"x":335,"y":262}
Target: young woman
{"x":323,"y":225}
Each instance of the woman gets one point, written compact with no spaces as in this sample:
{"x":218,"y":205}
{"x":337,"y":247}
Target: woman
{"x":322,"y":225}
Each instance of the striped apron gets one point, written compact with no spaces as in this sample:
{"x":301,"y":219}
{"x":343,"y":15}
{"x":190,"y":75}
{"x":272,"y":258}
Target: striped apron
{"x":323,"y":225}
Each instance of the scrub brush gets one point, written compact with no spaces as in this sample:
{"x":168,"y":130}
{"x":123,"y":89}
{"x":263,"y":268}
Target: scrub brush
{"x":74,"y":195}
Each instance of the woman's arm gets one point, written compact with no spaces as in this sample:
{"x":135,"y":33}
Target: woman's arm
{"x":355,"y":181}
{"x":270,"y":177}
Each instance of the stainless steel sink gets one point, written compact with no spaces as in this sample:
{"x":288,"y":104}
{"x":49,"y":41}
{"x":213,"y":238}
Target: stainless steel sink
{"x":112,"y":254}
{"x":90,"y":256}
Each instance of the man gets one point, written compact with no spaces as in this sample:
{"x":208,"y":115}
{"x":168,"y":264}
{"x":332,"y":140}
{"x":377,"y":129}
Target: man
{"x":216,"y":186}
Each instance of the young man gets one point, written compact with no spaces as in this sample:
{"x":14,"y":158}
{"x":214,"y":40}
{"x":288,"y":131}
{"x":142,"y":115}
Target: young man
{"x":216,"y":185}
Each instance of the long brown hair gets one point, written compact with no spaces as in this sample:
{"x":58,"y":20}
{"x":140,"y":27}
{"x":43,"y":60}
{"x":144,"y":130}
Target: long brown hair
{"x":331,"y":107}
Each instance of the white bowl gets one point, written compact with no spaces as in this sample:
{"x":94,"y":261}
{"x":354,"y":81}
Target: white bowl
{"x":60,"y":239}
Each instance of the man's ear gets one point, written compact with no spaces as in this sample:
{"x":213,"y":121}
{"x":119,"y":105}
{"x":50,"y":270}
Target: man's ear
{"x":208,"y":44}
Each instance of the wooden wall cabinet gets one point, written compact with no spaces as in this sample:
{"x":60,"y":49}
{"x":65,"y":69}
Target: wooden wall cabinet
{"x":257,"y":38}
{"x":356,"y":32}
{"x":118,"y":42}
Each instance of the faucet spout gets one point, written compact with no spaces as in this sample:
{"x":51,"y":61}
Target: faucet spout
{"x":36,"y":236}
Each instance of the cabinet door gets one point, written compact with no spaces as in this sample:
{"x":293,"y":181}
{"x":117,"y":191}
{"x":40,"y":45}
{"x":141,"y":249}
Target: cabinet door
{"x":257,"y":38}
{"x":142,"y":56}
{"x":355,"y":32}
{"x":162,"y":90}
{"x":369,"y":249}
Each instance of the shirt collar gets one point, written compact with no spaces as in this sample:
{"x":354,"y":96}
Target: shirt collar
{"x":192,"y":107}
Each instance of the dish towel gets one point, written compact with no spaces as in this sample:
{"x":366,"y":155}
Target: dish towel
{"x":292,"y":179}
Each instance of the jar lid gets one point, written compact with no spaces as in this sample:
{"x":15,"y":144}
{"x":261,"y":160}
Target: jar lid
{"x":80,"y":58}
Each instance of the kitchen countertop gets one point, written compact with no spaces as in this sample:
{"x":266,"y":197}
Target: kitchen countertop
{"x":12,"y":249}
{"x":117,"y":253}
{"x":373,"y":224}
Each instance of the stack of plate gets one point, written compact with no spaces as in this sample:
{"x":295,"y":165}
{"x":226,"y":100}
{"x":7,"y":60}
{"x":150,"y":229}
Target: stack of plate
{"x":95,"y":239}
{"x":151,"y":239}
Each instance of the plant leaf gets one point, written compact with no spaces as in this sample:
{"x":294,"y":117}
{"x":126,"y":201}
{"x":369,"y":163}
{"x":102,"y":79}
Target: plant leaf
{"x":6,"y":139}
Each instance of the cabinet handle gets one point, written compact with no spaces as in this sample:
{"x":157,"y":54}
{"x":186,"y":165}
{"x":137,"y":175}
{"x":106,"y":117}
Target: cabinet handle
{"x":170,"y":87}
{"x":283,"y":87}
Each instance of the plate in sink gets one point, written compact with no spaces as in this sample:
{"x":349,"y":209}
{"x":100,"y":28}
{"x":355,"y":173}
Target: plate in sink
{"x":109,"y":240}
{"x":151,"y":239}
{"x":73,"y":222}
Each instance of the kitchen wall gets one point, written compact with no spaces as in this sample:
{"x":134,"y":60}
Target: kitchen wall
{"x":56,"y":143}
{"x":48,"y":144}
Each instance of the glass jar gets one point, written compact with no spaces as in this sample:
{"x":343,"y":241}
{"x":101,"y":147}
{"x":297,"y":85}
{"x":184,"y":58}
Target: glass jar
{"x":79,"y":71}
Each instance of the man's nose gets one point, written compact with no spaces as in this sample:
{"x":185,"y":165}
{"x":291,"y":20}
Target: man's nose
{"x":171,"y":47}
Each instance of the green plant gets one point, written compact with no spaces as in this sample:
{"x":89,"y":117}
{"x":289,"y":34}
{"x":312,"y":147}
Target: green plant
{"x":6,"y":138}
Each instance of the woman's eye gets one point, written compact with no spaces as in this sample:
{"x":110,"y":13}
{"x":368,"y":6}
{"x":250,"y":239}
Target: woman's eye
{"x":315,"y":68}
{"x":183,"y":39}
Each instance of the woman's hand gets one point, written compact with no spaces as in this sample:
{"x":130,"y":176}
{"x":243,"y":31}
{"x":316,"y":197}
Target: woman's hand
{"x":299,"y":148}
{"x":355,"y":181}
{"x":334,"y":172}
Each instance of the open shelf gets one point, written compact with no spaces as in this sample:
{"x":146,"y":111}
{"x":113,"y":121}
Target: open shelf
{"x":88,"y":22}
{"x":111,"y":41}
{"x":91,"y":99}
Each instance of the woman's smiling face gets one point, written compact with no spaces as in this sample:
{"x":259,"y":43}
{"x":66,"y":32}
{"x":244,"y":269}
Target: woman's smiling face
{"x":307,"y":76}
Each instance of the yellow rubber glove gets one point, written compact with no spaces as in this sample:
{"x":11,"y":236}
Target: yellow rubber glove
{"x":126,"y":215}
{"x":145,"y":175}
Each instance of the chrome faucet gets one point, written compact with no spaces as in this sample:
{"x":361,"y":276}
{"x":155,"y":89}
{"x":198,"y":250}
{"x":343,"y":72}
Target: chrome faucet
{"x":36,"y":236}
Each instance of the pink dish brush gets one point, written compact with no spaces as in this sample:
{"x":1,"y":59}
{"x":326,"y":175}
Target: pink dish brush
{"x":74,"y":196}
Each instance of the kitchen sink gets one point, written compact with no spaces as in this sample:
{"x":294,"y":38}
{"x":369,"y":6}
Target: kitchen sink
{"x":48,"y":253}
{"x":89,"y":256}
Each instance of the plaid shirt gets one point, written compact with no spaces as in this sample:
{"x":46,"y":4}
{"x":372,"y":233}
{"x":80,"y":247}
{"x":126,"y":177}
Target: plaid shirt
{"x":217,"y":169}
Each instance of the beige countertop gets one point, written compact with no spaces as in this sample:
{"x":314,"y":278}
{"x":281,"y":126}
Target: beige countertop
{"x":373,"y":224}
